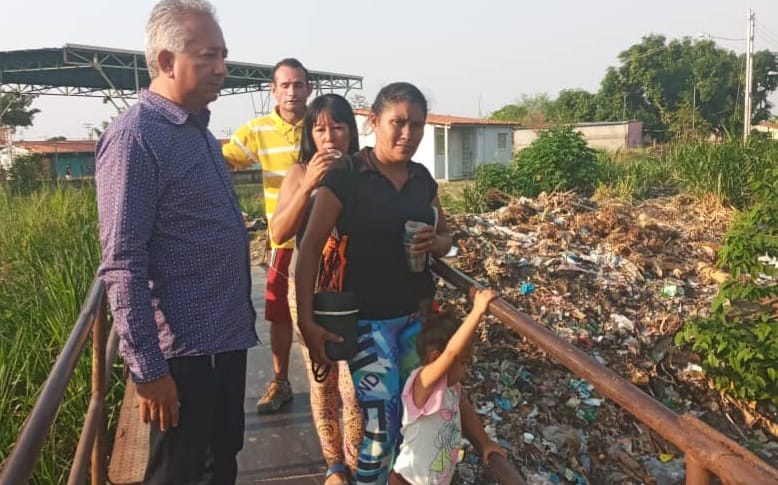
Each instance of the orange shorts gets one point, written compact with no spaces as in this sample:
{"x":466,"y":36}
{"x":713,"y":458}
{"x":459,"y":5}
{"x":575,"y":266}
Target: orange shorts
{"x":277,"y":288}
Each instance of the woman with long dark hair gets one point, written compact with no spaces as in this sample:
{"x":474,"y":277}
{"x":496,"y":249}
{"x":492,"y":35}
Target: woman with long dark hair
{"x":329,"y":132}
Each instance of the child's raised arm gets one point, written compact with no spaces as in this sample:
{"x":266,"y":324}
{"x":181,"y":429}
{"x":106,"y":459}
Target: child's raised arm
{"x":432,"y":372}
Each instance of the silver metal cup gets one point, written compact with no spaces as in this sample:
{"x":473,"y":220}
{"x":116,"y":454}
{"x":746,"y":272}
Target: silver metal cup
{"x":417,"y":262}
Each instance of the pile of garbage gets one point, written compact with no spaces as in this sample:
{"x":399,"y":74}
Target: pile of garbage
{"x":617,"y":281}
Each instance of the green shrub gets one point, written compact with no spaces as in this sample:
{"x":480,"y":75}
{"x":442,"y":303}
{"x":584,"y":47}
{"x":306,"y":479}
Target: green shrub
{"x":497,"y":176}
{"x":739,"y":342}
{"x":462,"y":198}
{"x":559,"y":159}
{"x":474,"y":200}
{"x":739,"y":356}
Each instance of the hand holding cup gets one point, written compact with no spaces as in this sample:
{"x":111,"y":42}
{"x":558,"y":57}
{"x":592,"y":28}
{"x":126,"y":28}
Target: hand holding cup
{"x":417,"y":240}
{"x":318,"y":166}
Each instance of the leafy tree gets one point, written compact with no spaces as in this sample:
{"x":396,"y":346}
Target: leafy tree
{"x":681,"y":88}
{"x":510,"y":112}
{"x":15,"y":109}
{"x":531,"y":111}
{"x":764,"y":63}
{"x":657,"y":79}
{"x":575,"y":105}
{"x":27,"y":173}
{"x":687,"y":124}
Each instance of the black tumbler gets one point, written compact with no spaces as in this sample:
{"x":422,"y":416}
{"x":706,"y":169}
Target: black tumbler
{"x":338,"y":313}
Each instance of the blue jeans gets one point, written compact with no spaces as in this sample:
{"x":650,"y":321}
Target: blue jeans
{"x":385,"y":358}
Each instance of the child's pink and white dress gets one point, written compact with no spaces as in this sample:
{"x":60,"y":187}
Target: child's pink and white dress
{"x":432,"y":435}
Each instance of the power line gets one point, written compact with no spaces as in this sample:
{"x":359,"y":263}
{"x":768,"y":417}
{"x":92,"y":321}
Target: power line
{"x":731,"y":39}
{"x":766,"y":29}
{"x":770,"y":37}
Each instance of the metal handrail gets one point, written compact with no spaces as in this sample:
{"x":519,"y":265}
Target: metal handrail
{"x":706,"y":449}
{"x":93,"y":317}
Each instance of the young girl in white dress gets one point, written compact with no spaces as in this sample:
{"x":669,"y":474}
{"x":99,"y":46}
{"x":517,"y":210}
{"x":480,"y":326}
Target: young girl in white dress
{"x":435,"y":413}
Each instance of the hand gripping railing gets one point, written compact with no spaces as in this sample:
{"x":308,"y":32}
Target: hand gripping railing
{"x":707,"y":451}
{"x":21,"y":463}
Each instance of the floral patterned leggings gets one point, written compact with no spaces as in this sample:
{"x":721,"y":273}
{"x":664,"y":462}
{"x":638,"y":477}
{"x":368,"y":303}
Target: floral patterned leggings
{"x":337,"y":446}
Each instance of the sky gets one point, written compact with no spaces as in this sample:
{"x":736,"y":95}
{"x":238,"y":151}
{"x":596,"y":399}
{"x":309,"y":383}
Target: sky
{"x":469,"y":58}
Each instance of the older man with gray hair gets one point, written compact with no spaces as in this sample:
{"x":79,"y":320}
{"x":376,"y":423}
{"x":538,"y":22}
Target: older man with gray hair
{"x":176,"y":253}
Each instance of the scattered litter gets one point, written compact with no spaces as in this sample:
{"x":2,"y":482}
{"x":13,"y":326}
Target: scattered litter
{"x":666,"y":473}
{"x":670,"y":291}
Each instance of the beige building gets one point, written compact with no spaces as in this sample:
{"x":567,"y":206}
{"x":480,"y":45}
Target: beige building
{"x":600,"y":135}
{"x":766,"y":127}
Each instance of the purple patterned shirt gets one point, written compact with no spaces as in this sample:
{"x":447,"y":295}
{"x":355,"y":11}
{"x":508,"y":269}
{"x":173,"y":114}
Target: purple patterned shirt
{"x":175,"y":251}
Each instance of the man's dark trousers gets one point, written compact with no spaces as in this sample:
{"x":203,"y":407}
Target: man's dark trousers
{"x":204,"y":446}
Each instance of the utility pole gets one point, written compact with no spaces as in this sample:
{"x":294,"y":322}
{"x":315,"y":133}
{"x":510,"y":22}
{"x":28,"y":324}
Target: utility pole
{"x":749,"y":76}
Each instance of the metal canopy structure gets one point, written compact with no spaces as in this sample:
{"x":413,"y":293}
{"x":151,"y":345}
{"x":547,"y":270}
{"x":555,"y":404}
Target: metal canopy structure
{"x":114,"y":74}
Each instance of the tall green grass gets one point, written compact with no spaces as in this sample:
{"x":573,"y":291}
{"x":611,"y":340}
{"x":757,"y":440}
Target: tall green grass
{"x":49,"y":253}
{"x":634,"y":175}
{"x":723,"y":169}
{"x":251,"y":199}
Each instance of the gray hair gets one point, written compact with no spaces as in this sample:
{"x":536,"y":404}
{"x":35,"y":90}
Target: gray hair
{"x":164,"y":30}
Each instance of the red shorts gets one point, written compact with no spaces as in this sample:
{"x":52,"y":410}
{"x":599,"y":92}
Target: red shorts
{"x":277,"y":289}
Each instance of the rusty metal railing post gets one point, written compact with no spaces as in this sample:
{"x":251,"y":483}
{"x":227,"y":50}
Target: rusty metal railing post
{"x":91,"y":441}
{"x":91,"y":450}
{"x":696,"y":473}
{"x":99,"y":389}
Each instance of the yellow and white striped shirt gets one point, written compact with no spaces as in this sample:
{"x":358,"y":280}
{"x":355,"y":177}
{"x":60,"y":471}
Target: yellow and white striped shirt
{"x":274,"y":144}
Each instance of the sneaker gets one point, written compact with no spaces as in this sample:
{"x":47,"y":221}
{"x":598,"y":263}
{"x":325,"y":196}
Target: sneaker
{"x":277,"y":393}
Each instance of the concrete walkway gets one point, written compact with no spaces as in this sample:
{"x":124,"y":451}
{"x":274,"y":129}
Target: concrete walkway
{"x":280,"y":448}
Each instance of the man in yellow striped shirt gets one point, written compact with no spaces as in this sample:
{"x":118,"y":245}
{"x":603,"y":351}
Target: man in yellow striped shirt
{"x":273,"y":142}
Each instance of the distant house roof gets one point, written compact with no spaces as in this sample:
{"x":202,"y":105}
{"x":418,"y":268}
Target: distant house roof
{"x":66,"y":146}
{"x":47,"y":147}
{"x":606,"y":123}
{"x":446,"y":120}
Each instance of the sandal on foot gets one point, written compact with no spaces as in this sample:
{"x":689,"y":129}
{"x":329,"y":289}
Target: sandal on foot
{"x":338,"y":468}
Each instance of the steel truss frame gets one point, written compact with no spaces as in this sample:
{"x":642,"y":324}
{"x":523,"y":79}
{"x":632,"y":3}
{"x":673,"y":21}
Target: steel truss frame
{"x":118,"y":75}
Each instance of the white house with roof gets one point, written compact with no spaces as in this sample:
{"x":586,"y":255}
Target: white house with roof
{"x":453,"y":146}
